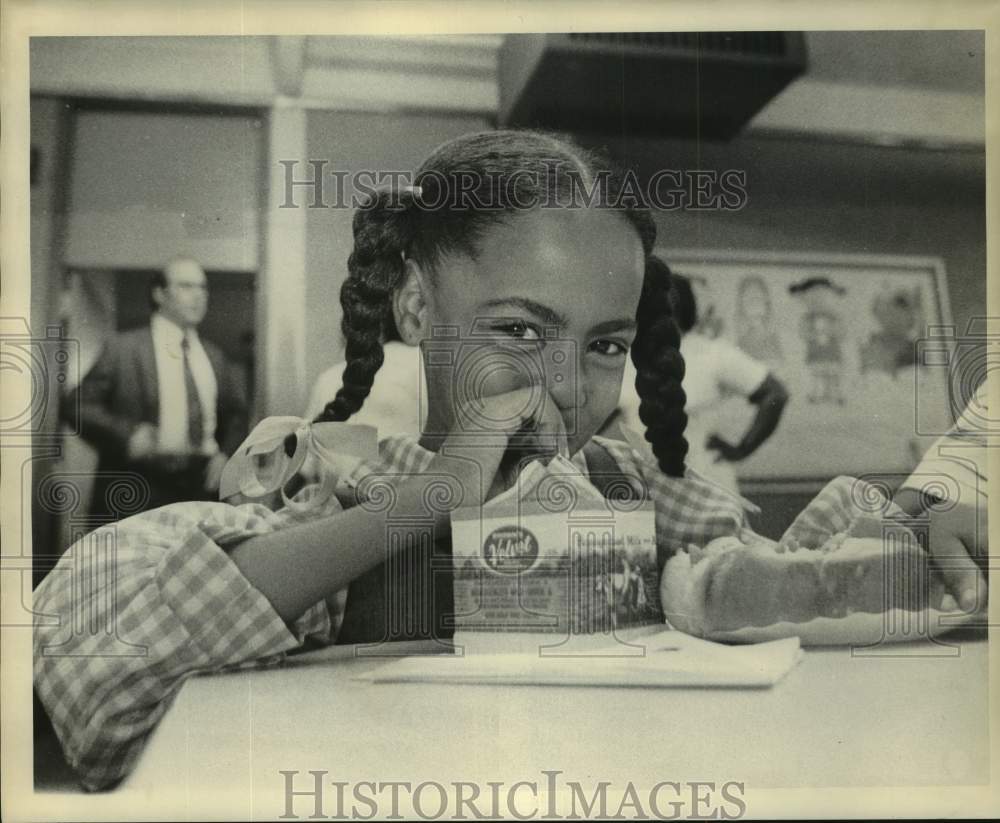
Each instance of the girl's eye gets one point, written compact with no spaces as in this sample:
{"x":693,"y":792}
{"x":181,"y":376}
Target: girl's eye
{"x":519,"y":330}
{"x":610,"y":348}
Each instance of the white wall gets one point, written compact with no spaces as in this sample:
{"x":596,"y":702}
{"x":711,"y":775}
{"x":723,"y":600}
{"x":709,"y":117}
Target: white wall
{"x":147,"y":186}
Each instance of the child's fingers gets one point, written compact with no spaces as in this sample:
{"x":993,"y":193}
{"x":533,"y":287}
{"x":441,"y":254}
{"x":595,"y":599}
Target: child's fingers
{"x":960,"y":572}
{"x":550,"y":419}
{"x":507,"y":412}
{"x":541,"y":431}
{"x":502,"y":432}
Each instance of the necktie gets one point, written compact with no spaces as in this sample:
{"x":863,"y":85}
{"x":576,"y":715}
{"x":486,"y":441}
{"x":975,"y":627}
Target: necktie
{"x":194,"y":418}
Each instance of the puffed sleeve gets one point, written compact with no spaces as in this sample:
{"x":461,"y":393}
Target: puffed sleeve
{"x":689,"y":509}
{"x":133,"y":609}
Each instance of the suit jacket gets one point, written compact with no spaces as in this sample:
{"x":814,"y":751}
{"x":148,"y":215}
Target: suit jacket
{"x":121,"y":391}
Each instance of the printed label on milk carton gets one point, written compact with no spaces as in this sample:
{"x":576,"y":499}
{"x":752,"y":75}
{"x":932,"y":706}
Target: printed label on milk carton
{"x":528,"y":569}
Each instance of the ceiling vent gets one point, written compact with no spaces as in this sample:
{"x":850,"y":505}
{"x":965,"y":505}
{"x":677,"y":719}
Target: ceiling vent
{"x":670,"y":84}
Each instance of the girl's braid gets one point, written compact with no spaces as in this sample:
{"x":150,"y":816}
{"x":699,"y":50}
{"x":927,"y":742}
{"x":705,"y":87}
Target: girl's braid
{"x":375,"y":269}
{"x":660,"y":370}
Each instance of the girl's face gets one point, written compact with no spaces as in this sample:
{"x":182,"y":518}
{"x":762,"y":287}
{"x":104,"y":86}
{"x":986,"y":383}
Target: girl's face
{"x":550,"y":301}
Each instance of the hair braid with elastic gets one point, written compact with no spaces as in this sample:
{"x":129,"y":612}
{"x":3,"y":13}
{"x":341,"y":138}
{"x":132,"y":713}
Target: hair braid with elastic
{"x":375,"y":269}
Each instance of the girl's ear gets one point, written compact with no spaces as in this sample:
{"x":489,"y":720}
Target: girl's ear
{"x":409,"y":305}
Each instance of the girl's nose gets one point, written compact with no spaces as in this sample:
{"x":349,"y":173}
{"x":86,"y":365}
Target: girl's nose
{"x":565,"y":382}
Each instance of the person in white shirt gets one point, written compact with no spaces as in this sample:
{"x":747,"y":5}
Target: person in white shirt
{"x":397,"y":403}
{"x":713,"y":370}
{"x":163,"y":407}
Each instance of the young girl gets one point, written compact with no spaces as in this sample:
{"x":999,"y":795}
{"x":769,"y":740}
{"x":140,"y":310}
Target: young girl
{"x":496,"y":244}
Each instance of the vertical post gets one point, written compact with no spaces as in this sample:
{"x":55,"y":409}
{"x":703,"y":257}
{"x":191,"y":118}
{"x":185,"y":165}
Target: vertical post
{"x":52,"y":128}
{"x":282,"y":291}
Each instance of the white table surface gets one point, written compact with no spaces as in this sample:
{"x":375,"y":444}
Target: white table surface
{"x":836,"y":720}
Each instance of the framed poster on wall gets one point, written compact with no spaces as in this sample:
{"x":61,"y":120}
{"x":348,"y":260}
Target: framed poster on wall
{"x":848,"y":335}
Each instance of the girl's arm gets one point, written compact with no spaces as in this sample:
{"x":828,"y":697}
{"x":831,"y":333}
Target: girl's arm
{"x":770,"y":399}
{"x":297,"y":566}
{"x":131,"y":611}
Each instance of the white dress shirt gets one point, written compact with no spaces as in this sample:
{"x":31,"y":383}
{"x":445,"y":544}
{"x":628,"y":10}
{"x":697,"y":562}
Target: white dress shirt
{"x":173,"y":421}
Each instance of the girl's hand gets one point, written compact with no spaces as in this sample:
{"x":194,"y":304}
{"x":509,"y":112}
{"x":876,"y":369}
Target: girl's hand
{"x":956,"y":541}
{"x":960,"y":556}
{"x":495,"y":437}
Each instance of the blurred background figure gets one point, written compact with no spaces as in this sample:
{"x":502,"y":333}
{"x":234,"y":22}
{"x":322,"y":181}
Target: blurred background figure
{"x":397,"y":403}
{"x":714,"y":370}
{"x":247,"y":361}
{"x":161,"y":402}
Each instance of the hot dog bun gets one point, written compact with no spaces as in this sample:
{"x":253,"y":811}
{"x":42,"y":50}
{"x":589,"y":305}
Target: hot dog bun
{"x":730,"y":585}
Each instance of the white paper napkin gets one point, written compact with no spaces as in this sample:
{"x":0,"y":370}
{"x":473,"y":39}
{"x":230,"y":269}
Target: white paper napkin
{"x":671,"y":660}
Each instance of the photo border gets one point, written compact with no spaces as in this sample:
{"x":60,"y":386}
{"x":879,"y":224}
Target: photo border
{"x":21,"y":19}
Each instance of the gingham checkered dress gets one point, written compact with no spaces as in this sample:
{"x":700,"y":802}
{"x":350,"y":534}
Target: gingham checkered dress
{"x":134,"y":609}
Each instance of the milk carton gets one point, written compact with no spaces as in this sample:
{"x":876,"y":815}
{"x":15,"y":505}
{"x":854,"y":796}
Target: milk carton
{"x":554,"y":555}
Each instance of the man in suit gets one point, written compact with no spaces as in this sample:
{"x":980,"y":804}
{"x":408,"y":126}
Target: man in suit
{"x":162,"y":403}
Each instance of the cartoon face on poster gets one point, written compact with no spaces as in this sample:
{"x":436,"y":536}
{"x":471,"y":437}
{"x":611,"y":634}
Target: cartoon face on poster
{"x":754,"y":321}
{"x":821,"y":328}
{"x":843,"y":334}
{"x":899,"y":316}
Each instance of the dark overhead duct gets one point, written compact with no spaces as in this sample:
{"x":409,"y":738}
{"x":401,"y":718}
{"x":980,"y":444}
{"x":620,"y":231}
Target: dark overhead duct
{"x":670,"y":84}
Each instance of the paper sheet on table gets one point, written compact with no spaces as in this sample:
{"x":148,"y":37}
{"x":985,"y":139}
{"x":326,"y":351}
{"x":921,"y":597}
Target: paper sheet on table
{"x":672,"y":659}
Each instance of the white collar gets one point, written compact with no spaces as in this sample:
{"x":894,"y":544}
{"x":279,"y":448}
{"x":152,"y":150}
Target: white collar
{"x":169,"y":332}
